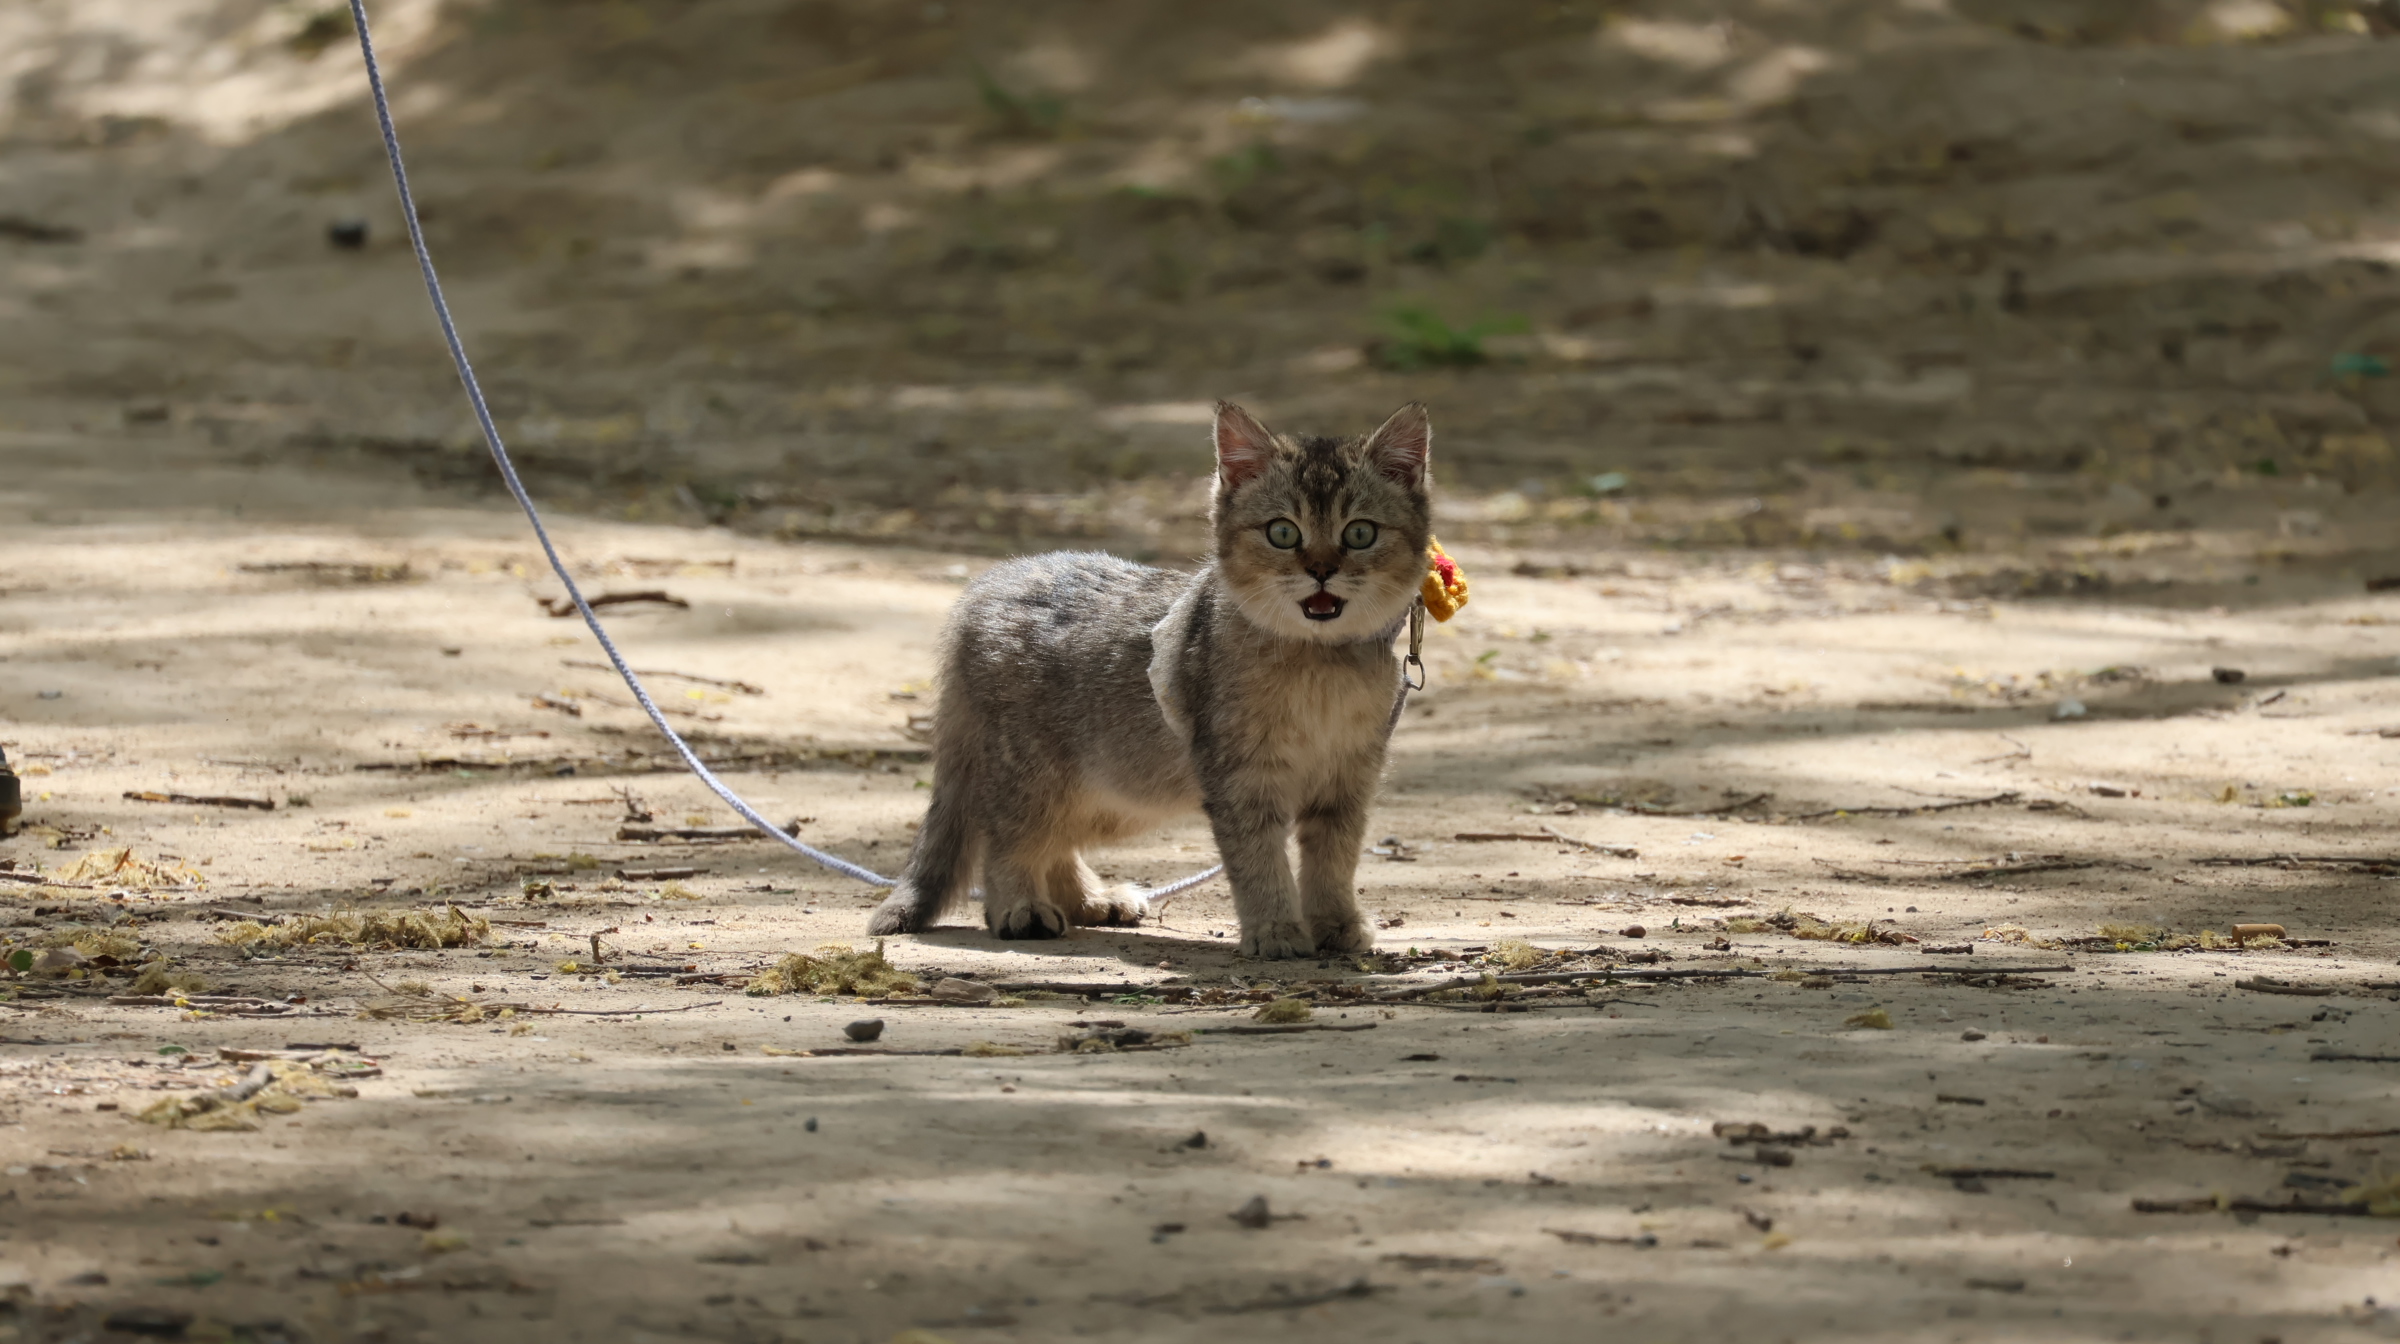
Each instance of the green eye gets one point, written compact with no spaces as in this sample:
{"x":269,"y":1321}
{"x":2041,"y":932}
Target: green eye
{"x":1359,"y":536}
{"x":1283,"y":534}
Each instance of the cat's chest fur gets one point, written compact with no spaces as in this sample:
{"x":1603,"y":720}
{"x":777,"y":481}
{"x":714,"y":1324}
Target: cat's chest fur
{"x":1298,"y":715}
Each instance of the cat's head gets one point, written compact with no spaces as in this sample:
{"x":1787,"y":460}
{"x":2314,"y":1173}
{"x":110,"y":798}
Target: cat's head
{"x":1323,"y":539}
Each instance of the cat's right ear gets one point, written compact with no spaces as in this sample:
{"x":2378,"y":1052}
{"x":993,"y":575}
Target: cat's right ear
{"x":1244,"y":447}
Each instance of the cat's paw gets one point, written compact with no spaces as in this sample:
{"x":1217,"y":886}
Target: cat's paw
{"x":1346,"y":938}
{"x":1277,"y":941}
{"x":1032,"y":920}
{"x":1122,"y":907}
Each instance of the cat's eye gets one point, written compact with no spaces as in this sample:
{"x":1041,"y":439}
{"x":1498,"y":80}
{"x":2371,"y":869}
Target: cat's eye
{"x":1283,"y":534}
{"x":1359,"y":535}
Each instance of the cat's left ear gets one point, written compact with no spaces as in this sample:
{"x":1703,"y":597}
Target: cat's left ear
{"x":1402,"y":447}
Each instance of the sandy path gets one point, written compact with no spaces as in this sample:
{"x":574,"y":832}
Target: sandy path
{"x":666,"y":1176}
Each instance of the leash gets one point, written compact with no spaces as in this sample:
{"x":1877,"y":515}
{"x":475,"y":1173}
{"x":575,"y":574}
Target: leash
{"x":516,"y":487}
{"x":591,"y":619}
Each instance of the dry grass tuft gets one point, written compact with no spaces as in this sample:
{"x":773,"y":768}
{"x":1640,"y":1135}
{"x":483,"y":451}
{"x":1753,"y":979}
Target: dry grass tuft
{"x":406,"y":928}
{"x":835,"y":969}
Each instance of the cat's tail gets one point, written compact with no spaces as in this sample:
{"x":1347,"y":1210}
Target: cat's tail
{"x":938,"y":865}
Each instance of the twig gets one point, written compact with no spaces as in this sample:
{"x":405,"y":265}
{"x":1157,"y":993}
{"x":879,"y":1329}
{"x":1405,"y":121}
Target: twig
{"x":215,"y":1003}
{"x":1613,"y":851}
{"x":1989,"y":1173}
{"x":2022,"y":752}
{"x":2059,"y":865}
{"x":252,"y":1084}
{"x":1084,"y":987}
{"x":1356,"y":1288}
{"x":2271,"y":860}
{"x":744,"y":687}
{"x":1997,"y":798}
{"x":608,"y":1012}
{"x":2271,"y":1135}
{"x":1551,"y":835}
{"x":1645,"y":1240}
{"x":2344,"y":1055}
{"x":637,"y":832}
{"x":200,"y":800}
{"x":1563,"y":978}
{"x":2210,"y":1204}
{"x":858,"y":1050}
{"x":562,"y":608}
{"x":1752,"y":801}
{"x":1961,"y":971}
{"x":1285,"y":1030}
{"x":2266,"y":985}
{"x":40,"y":881}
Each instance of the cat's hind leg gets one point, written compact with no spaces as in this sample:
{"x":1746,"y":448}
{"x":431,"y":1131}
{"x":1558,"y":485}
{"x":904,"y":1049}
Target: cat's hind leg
{"x":941,"y":865}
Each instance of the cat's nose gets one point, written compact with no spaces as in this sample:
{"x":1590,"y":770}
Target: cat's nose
{"x":1322,"y":570}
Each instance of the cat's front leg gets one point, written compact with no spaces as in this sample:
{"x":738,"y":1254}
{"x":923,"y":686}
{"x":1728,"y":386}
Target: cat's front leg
{"x":1250,"y":833}
{"x":1330,"y":834}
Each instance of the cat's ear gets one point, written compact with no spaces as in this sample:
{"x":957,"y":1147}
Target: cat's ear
{"x":1244,"y":447}
{"x":1403,"y":445}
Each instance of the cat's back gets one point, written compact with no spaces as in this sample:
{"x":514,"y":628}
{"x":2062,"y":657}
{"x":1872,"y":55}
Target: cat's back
{"x":1063,"y":604}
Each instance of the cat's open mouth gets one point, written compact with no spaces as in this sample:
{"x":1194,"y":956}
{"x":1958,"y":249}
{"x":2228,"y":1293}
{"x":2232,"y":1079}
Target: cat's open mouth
{"x":1321,"y":606}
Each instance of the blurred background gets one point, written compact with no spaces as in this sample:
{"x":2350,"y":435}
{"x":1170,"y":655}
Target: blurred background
{"x":1985,"y":296}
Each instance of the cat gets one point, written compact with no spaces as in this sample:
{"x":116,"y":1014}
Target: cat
{"x":1085,"y":698}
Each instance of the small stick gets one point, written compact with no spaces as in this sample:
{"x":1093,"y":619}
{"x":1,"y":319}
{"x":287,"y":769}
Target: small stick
{"x":1613,"y":851}
{"x":562,"y":608}
{"x":200,"y":800}
{"x":1752,"y":801}
{"x":2344,"y":860}
{"x":1075,"y":987}
{"x":637,"y":832}
{"x":38,"y":880}
{"x":1548,"y":835}
{"x":1990,"y":1173}
{"x":1563,"y":978}
{"x":2263,"y":985}
{"x":1961,"y":874}
{"x":2207,"y":1204}
{"x":209,"y":1001}
{"x":2022,"y":752}
{"x":609,"y":1012}
{"x":251,"y":1085}
{"x":2344,"y":1055}
{"x":2334,"y":1134}
{"x":1573,"y":1238}
{"x":859,"y":1050}
{"x":1284,"y":1030}
{"x":744,"y":687}
{"x":2009,"y":797}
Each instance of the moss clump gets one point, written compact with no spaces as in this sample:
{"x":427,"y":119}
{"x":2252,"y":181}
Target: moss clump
{"x":448,"y":927}
{"x":1518,"y":956}
{"x":1284,"y":1011}
{"x":94,"y":942}
{"x":155,"y":978}
{"x":834,"y":969}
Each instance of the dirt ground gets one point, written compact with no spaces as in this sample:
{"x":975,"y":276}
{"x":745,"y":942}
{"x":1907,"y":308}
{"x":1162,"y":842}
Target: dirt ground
{"x":1923,"y":469}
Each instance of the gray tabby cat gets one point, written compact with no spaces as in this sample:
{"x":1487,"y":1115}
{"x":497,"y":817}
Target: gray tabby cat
{"x":1085,"y":698}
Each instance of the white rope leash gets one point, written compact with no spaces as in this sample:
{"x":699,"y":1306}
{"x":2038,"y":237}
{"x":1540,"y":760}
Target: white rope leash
{"x":516,"y":489}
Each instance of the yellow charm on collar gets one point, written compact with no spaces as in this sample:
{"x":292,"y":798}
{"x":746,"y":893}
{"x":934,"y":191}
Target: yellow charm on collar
{"x":1445,"y":588}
